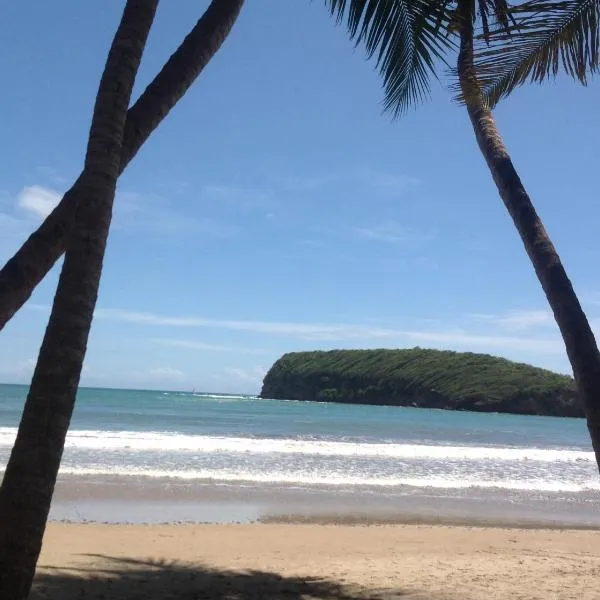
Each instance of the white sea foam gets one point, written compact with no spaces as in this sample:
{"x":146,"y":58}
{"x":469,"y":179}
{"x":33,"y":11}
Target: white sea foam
{"x":334,"y":479}
{"x":202,"y":444}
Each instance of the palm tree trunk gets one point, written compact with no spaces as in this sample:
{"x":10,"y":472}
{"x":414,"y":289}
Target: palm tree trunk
{"x":28,"y":485}
{"x":578,"y":337}
{"x":43,"y":248}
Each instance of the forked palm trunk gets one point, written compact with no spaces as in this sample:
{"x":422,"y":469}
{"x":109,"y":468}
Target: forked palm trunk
{"x":31,"y":263}
{"x":28,"y":485}
{"x":576,"y":332}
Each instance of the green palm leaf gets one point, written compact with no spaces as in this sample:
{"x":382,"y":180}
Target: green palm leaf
{"x":548,"y":35}
{"x":407,"y":36}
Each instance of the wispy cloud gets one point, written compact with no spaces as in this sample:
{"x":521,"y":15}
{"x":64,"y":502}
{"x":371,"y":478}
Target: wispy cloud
{"x":392,"y":183}
{"x":386,"y":232}
{"x":196,"y":345}
{"x":158,"y":374}
{"x":313,"y":243}
{"x":306,"y":330}
{"x":339,"y":333}
{"x":462,"y":339}
{"x":595,"y":325}
{"x":52,"y":175}
{"x":386,"y":183}
{"x":167,"y":372}
{"x":239,"y":196}
{"x":22,"y":369}
{"x":8,"y":222}
{"x":518,"y":320}
{"x":392,"y":233}
{"x":307,"y":183}
{"x":178,"y":188}
{"x":254,"y":375}
{"x":14,"y":229}
{"x":38,"y":200}
{"x":146,"y":213}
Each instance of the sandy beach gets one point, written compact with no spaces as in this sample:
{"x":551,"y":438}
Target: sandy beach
{"x":303,"y":561}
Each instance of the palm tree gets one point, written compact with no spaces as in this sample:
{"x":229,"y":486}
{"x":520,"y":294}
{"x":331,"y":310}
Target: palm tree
{"x":576,"y":332}
{"x":31,"y":263}
{"x":30,"y":476}
{"x":554,"y":34}
{"x":409,"y":36}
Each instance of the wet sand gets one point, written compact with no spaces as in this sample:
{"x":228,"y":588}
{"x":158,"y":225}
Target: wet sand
{"x":155,"y":501}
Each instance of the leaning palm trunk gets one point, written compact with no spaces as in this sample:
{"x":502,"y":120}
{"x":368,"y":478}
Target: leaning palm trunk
{"x":578,"y":337}
{"x":28,"y":485}
{"x":43,"y":248}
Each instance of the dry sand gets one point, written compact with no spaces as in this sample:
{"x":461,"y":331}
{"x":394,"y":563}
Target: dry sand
{"x":334,"y":562}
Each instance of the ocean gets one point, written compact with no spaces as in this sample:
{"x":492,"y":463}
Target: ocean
{"x":204,"y":448}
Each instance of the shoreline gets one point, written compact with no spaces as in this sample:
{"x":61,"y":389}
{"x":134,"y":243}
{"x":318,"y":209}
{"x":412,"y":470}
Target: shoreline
{"x":123,"y":500}
{"x":327,"y":562}
{"x":353,"y":521}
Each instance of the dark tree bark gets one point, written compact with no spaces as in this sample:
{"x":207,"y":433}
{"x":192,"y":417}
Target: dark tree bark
{"x":28,"y":485}
{"x":43,"y":248}
{"x":576,"y":332}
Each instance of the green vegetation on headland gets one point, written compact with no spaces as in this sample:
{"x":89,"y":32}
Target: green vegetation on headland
{"x":422,"y":378}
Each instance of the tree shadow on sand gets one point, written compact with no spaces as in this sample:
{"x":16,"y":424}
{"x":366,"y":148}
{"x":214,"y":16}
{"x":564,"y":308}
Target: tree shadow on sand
{"x":130,"y":579}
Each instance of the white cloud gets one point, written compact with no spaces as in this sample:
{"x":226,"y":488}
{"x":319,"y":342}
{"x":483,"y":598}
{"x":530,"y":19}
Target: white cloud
{"x":38,"y":200}
{"x":328,"y":332}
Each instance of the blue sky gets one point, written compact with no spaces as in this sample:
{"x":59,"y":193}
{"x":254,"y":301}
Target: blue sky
{"x":277,"y":209}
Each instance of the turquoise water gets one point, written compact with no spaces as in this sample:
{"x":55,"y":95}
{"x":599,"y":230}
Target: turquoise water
{"x":242,"y":439}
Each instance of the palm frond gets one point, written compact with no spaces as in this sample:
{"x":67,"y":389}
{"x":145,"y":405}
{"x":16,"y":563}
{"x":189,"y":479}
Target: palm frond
{"x":405,"y":36}
{"x":548,"y":35}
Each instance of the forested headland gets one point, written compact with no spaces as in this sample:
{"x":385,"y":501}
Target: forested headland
{"x":422,"y":378}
